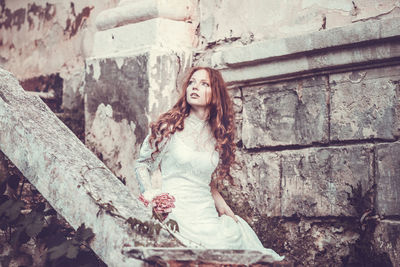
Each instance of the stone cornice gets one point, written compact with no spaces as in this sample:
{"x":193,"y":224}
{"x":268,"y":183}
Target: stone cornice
{"x":353,"y":46}
{"x":128,"y":12}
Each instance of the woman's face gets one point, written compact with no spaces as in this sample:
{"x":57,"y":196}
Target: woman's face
{"x":198,"y":92}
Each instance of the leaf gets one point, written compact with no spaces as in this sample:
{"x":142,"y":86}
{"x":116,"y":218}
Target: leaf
{"x":53,"y":239}
{"x":84,"y":234}
{"x":40,"y":207}
{"x":173,"y":225}
{"x":59,"y":251}
{"x":157,"y":228}
{"x":33,"y":223}
{"x":3,"y":198}
{"x":23,"y":238}
{"x":86,"y":257}
{"x":13,"y":181}
{"x":18,"y":237}
{"x":11,"y":209}
{"x":50,"y":212}
{"x":3,"y":187}
{"x":72,"y":252}
{"x":3,"y":179}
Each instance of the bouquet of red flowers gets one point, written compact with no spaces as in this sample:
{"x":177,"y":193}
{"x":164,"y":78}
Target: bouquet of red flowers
{"x":162,"y":204}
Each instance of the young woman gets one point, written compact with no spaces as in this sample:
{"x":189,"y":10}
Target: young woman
{"x":193,"y":145}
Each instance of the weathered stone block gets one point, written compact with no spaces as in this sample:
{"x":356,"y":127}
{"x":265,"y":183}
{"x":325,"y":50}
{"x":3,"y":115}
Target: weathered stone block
{"x":322,"y":181}
{"x":388,"y":179}
{"x":314,"y":242}
{"x":160,"y":32}
{"x":364,"y":104}
{"x":287,"y":113}
{"x":387,"y":240}
{"x":123,"y":94}
{"x":192,"y":257}
{"x":258,"y":185}
{"x":121,"y":83}
{"x":236,"y":97}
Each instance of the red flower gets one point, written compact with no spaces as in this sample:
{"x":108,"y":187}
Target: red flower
{"x":163,"y":204}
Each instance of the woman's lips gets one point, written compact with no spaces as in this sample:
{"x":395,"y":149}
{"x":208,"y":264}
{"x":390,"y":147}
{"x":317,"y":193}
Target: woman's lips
{"x":194,"y":95}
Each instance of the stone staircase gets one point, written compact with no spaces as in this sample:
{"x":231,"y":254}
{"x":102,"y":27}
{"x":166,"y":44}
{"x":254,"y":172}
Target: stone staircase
{"x":83,"y":190}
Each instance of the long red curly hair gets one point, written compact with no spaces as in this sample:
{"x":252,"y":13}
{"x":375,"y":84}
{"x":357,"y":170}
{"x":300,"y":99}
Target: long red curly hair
{"x":221,"y":120}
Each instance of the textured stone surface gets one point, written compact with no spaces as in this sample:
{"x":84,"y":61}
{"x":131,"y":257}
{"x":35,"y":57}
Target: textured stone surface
{"x":321,"y":181}
{"x":267,"y":50}
{"x":319,"y":242}
{"x":73,"y":91}
{"x":62,"y":167}
{"x":365,"y":103}
{"x":123,"y":95}
{"x":129,"y":11}
{"x":387,"y":240}
{"x":158,"y":32}
{"x":237,"y":100}
{"x":288,"y":113}
{"x":351,"y":46}
{"x":246,"y":20}
{"x":388,"y":179}
{"x":211,"y":257}
{"x":261,"y":180}
{"x":57,"y":36}
{"x":121,"y":83}
{"x":302,"y":64}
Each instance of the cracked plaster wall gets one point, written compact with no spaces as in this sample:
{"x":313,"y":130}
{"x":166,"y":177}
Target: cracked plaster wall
{"x":46,"y":37}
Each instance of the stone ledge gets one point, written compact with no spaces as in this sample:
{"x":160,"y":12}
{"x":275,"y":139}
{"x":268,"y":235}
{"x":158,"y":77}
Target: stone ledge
{"x":343,"y":47}
{"x":337,"y":37}
{"x":156,"y":32}
{"x":213,"y":257}
{"x":128,"y":12}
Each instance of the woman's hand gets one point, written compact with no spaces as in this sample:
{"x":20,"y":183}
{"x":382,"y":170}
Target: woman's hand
{"x":221,"y":205}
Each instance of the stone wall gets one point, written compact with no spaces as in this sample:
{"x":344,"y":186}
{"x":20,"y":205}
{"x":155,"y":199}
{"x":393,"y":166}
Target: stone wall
{"x":316,"y":182}
{"x":318,"y":124}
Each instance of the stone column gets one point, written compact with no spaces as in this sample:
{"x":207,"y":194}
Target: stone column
{"x":139,"y":54}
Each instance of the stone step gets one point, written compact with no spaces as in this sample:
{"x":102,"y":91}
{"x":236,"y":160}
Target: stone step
{"x":177,"y":257}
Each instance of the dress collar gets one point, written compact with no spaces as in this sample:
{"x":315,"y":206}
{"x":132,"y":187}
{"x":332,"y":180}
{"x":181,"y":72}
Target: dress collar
{"x":196,"y":120}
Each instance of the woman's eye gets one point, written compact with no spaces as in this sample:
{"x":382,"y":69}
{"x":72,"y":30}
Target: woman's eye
{"x":205,"y":84}
{"x":190,"y":82}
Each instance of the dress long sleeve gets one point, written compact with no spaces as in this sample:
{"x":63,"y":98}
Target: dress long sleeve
{"x":145,"y":165}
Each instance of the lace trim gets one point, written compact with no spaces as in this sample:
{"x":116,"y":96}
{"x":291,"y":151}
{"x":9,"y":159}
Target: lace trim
{"x":197,"y":135}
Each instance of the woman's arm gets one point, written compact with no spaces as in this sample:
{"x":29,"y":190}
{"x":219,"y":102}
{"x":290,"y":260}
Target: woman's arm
{"x":145,"y":165}
{"x":221,"y":205}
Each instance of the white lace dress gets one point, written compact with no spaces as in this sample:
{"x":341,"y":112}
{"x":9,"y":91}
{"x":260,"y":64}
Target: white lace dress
{"x":187,"y":161}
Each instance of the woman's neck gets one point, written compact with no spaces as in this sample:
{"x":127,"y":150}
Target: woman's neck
{"x":201,"y":114}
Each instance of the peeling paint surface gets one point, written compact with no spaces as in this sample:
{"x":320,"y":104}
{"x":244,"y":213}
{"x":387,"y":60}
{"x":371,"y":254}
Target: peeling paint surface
{"x":52,"y":30}
{"x":115,"y":143}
